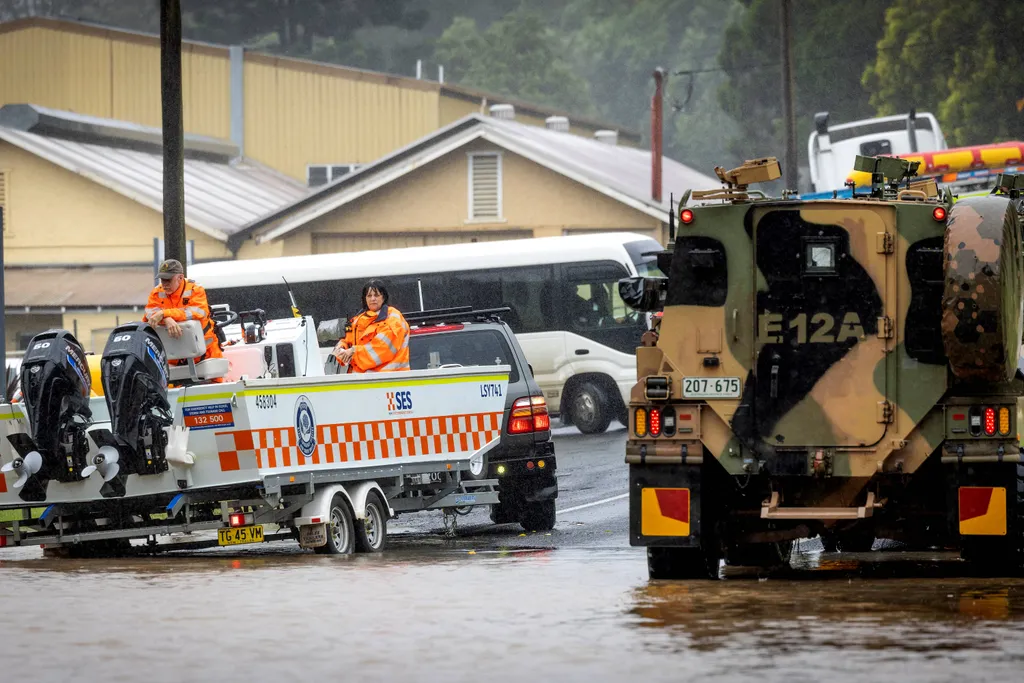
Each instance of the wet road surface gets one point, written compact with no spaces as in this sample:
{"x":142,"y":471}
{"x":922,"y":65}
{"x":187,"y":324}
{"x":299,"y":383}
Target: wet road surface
{"x":498,"y":604}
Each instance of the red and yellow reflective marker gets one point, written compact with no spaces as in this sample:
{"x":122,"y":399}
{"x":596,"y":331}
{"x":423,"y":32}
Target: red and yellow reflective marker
{"x":665,"y":512}
{"x":982,"y":511}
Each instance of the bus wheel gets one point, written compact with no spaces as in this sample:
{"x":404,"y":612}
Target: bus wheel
{"x":372,"y":532}
{"x":340,"y":529}
{"x":590,"y":408}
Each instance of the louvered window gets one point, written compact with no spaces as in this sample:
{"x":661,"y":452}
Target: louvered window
{"x":484,"y":186}
{"x":4,"y":204}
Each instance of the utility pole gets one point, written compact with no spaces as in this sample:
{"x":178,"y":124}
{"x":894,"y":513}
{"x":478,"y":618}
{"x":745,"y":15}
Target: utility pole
{"x":173,"y":130}
{"x":789,"y":167}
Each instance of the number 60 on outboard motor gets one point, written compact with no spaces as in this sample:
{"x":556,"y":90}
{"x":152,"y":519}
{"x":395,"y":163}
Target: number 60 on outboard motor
{"x":55,"y":383}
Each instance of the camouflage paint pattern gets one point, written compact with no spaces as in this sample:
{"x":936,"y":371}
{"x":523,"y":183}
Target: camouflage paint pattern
{"x":836,"y":407}
{"x":982,"y":308}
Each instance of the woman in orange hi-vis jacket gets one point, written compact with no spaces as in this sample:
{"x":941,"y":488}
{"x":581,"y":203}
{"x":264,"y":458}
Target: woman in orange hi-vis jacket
{"x":378,"y":338}
{"x":176,"y":300}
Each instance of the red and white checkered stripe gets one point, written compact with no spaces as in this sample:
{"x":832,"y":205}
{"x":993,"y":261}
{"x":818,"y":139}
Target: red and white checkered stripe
{"x":366,"y":441}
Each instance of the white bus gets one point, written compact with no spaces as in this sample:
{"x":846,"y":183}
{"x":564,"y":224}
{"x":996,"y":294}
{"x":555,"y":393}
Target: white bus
{"x":578,"y":335}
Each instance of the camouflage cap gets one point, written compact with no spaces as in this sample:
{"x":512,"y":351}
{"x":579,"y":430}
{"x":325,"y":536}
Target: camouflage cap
{"x":170,"y":268}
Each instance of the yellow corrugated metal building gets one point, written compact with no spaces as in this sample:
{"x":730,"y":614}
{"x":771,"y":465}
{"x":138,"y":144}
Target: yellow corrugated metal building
{"x":291,"y":113}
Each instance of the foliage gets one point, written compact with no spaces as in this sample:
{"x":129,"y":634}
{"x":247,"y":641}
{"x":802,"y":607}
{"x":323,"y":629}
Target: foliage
{"x":956,"y":59}
{"x":517,"y":56}
{"x":832,"y":44}
{"x":617,"y":46}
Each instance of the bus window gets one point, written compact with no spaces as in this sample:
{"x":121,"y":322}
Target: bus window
{"x":524,"y":291}
{"x":594,"y":309}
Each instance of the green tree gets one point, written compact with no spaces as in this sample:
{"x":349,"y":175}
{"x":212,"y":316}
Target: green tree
{"x":832,"y":44}
{"x":962,"y":61}
{"x":617,"y":46}
{"x":517,"y":56}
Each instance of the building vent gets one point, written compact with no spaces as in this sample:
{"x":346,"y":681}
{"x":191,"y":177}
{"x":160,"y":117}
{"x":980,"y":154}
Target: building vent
{"x":322,"y":174}
{"x":484,"y":186}
{"x":609,"y":137}
{"x":559,"y":123}
{"x":503,"y":111}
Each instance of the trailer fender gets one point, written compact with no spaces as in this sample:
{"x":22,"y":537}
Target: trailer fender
{"x":317,"y":510}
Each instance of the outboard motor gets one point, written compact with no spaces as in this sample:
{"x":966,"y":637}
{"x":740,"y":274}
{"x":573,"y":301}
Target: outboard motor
{"x":134,"y":371}
{"x":55,"y":385}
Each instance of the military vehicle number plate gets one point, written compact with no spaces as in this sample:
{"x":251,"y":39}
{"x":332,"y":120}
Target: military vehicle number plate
{"x":711,"y":387}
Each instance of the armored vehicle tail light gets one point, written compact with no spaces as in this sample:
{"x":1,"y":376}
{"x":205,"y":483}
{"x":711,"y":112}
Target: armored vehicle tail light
{"x":655,"y":421}
{"x":686,"y":216}
{"x":236,"y":519}
{"x":1004,"y":421}
{"x":939,"y":213}
{"x":657,"y":388}
{"x":668,"y":421}
{"x":990,"y":421}
{"x":529,"y":414}
{"x":640,"y":422}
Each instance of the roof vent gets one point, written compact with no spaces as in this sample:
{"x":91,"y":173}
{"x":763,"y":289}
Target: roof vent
{"x":503,"y":111}
{"x":608,"y":137}
{"x":559,"y":123}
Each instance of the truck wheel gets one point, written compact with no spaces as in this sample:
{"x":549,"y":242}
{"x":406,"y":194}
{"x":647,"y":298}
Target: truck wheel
{"x":340,"y":529}
{"x":762,"y":555}
{"x":372,"y":532}
{"x":848,"y":541}
{"x":538,"y":516}
{"x":590,"y":408}
{"x":681,"y":563}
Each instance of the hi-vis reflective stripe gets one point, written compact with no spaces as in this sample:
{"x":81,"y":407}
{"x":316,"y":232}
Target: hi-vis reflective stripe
{"x":982,"y":511}
{"x":665,"y":512}
{"x":363,"y":441}
{"x":384,"y":338}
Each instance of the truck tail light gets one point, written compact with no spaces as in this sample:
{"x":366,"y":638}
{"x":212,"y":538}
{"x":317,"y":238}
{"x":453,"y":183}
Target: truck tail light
{"x":1004,"y":421}
{"x":655,"y":421}
{"x":236,"y":519}
{"x":990,"y":420}
{"x":529,"y":414}
{"x":640,"y":422}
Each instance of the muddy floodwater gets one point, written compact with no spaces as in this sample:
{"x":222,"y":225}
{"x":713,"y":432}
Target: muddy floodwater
{"x":451,"y":611}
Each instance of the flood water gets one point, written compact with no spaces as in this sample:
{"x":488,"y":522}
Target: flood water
{"x":443,"y":611}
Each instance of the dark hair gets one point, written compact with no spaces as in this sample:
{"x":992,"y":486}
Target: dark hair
{"x":374,"y":284}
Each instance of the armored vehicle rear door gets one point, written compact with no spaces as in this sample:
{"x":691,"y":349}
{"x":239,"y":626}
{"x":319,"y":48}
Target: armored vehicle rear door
{"x":822,"y":322}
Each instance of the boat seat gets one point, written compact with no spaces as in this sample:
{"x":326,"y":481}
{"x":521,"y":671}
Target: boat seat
{"x":188,"y":347}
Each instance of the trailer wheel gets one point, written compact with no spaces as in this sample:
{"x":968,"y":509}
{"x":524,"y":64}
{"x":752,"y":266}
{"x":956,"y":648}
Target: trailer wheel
{"x":340,"y":529}
{"x":538,"y":516}
{"x":478,"y":469}
{"x":372,"y":532}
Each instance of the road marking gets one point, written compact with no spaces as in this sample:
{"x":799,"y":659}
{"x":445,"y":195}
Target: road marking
{"x":590,"y":505}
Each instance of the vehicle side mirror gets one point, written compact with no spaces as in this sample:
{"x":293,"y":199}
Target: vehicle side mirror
{"x":643,"y":293}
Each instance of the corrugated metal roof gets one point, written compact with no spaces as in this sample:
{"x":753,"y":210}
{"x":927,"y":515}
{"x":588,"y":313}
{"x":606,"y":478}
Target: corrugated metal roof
{"x":220,"y":198}
{"x":623,"y":173}
{"x":87,"y":287}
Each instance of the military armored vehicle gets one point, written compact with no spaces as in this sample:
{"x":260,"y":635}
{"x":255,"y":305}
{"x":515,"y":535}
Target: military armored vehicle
{"x":843,"y":368}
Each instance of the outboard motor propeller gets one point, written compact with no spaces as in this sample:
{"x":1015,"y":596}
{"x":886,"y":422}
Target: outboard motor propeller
{"x":55,"y":384}
{"x":134,"y":371}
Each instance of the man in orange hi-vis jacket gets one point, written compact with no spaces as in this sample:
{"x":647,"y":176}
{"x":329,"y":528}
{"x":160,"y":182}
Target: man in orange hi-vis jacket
{"x":176,"y":300}
{"x":378,"y":338}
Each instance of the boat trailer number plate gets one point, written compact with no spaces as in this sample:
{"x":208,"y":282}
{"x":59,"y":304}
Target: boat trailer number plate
{"x":711,"y":387}
{"x":312,"y":535}
{"x":240,"y":534}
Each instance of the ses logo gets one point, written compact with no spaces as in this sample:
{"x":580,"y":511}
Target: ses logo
{"x":305,"y":426}
{"x":399,"y":402}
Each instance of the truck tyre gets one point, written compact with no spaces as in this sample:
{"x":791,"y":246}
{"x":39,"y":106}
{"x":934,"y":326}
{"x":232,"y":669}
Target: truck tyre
{"x":372,"y":532}
{"x":538,"y":516}
{"x":761,"y":555}
{"x":848,"y":541}
{"x":681,"y":563}
{"x":590,"y":408}
{"x":340,"y":529}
